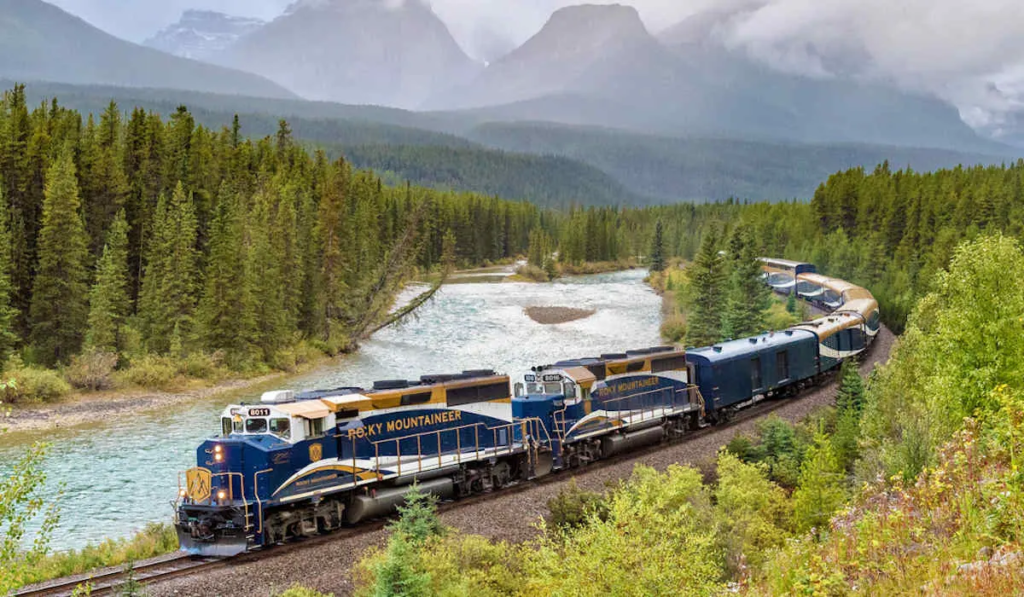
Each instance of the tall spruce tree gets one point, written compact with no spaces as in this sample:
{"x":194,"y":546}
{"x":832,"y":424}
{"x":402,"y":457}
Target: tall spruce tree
{"x":8,"y":314}
{"x":748,"y":296}
{"x":704,"y":293}
{"x":109,"y":302}
{"x":60,"y":290}
{"x":658,"y":249}
{"x":169,"y":286}
{"x":225,"y":317}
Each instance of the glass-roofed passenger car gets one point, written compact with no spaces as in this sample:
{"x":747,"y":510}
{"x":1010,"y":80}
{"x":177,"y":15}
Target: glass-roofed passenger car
{"x":782,"y":274}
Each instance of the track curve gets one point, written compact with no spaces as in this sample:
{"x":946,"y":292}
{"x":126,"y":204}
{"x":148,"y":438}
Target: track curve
{"x":326,"y":563}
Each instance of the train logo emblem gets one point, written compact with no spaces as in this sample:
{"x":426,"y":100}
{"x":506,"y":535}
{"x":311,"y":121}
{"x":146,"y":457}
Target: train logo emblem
{"x":316,"y":452}
{"x":198,"y":482}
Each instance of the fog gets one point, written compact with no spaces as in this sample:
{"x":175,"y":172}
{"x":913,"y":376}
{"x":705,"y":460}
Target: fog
{"x":971,"y":54}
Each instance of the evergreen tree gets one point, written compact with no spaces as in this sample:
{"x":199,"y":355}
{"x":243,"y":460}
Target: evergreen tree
{"x":791,"y":305}
{"x":748,"y":296}
{"x":225,"y":317}
{"x":658,"y":250}
{"x":820,"y":491}
{"x":109,"y":303}
{"x":60,"y":291}
{"x":850,"y":396}
{"x":704,"y":294}
{"x":169,"y":286}
{"x":8,"y":314}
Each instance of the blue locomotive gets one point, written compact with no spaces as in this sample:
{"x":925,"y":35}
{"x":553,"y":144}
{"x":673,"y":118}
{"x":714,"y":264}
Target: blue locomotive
{"x":299,"y":464}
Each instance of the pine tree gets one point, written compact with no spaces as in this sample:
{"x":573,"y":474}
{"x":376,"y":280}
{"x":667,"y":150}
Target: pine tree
{"x":791,"y":304}
{"x":850,"y":396}
{"x":60,"y":290}
{"x":225,"y":317}
{"x":169,"y":285}
{"x":748,"y":296}
{"x":820,"y":491}
{"x":109,"y":303}
{"x":704,"y":294}
{"x":658,"y":250}
{"x":8,"y":314}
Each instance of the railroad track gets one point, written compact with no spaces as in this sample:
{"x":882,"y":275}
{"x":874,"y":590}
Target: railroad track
{"x":110,"y":581}
{"x":166,"y":568}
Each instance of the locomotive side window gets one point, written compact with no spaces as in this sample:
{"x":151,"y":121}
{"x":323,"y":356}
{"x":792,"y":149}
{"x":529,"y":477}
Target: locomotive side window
{"x":225,"y":426}
{"x":637,"y":366}
{"x":281,"y":428}
{"x":417,"y":398}
{"x":314,"y":428}
{"x":255,"y":425}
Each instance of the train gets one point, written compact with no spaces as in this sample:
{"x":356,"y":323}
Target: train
{"x":298,"y":464}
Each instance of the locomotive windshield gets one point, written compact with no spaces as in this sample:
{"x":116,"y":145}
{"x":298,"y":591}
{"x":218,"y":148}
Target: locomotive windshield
{"x":544,"y":388}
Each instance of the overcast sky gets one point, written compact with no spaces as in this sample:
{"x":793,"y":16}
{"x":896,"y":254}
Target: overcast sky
{"x":970,"y":53}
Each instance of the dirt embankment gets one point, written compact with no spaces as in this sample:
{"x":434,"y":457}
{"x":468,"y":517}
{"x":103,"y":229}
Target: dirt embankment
{"x":329,"y":567}
{"x":555,"y":315}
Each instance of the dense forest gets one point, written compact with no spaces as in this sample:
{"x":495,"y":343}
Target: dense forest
{"x":132,"y":235}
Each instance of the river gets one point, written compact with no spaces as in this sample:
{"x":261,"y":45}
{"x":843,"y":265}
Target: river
{"x":118,"y":476}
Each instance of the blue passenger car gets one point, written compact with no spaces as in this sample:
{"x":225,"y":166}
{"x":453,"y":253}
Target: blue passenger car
{"x":734,"y":373}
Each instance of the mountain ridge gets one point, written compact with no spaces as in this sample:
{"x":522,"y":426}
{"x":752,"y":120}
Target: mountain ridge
{"x":355,"y":52}
{"x":41,"y":42}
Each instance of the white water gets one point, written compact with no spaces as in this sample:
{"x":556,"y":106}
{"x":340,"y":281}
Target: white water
{"x":120,"y":475}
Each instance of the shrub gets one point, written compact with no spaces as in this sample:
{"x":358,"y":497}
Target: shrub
{"x":150,"y":371}
{"x":199,"y":365}
{"x":751,"y":511}
{"x":532,"y":272}
{"x":673,"y":329}
{"x":572,"y":507}
{"x":32,"y":384}
{"x":93,"y":370}
{"x":779,"y":318}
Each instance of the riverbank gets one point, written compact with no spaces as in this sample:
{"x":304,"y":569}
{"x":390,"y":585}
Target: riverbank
{"x":84,"y":408}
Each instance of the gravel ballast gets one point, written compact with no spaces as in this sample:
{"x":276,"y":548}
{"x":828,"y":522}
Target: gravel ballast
{"x":328,"y":567}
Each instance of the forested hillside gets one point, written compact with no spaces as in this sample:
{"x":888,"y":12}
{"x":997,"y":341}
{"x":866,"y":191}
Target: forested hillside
{"x":649,"y":168}
{"x":147,"y":236}
{"x":549,"y":181}
{"x":711,"y":169}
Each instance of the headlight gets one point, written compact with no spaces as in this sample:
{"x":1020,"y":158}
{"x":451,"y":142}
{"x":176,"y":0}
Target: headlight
{"x":218,"y":457}
{"x":181,"y":493}
{"x":217,"y":448}
{"x":221,"y":495}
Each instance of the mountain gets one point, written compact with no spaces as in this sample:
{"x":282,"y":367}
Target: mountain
{"x":40,"y":42}
{"x":598,"y":65}
{"x":201,"y":34}
{"x":703,"y":169}
{"x":378,"y":52}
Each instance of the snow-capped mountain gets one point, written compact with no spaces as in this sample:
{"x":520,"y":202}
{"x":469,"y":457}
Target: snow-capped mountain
{"x":201,"y":34}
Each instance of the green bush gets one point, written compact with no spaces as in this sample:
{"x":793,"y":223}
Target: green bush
{"x":572,"y":507}
{"x":150,"y":371}
{"x":532,"y":272}
{"x":32,"y":384}
{"x":93,"y":370}
{"x":673,"y":329}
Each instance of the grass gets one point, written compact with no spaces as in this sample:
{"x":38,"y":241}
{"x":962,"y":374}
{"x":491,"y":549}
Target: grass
{"x":156,"y":539}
